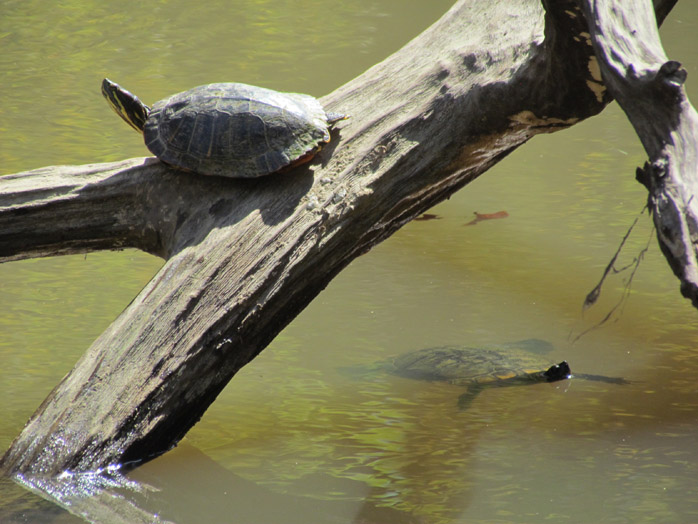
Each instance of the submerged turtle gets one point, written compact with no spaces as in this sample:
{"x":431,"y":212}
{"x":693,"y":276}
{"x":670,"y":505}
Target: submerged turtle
{"x":513,"y":364}
{"x":228,"y":129}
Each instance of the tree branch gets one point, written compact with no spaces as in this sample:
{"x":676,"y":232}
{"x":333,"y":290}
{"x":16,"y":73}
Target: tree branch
{"x":244,"y":257}
{"x":649,"y":88}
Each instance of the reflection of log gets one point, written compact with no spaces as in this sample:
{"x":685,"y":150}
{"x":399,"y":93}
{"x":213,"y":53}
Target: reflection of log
{"x":165,"y":495}
{"x":244,"y":257}
{"x":19,"y":506}
{"x":230,"y":498}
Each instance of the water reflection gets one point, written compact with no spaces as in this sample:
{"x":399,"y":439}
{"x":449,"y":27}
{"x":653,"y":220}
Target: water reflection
{"x":111,"y":497}
{"x":291,"y":439}
{"x":230,"y":497}
{"x":20,"y":506}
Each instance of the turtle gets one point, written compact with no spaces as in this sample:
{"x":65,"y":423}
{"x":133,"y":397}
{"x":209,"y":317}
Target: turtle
{"x":228,"y":129}
{"x":512,"y":364}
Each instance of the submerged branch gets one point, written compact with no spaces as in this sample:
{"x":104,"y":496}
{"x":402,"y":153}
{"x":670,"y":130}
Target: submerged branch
{"x":594,"y":294}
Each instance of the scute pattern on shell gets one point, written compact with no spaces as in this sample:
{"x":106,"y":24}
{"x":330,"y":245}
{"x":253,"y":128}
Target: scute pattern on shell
{"x":234,"y":129}
{"x":462,"y":365}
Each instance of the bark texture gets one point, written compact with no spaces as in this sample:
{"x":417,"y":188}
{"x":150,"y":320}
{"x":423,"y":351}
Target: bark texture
{"x":649,"y":88}
{"x":244,"y":257}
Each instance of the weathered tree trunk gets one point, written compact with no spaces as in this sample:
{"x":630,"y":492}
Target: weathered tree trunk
{"x":648,"y":86}
{"x":243,"y":257}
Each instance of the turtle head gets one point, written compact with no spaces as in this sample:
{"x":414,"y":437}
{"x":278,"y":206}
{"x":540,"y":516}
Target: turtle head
{"x":125,"y":104}
{"x":559,"y":371}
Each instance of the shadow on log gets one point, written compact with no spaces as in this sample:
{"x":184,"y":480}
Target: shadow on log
{"x":244,"y":257}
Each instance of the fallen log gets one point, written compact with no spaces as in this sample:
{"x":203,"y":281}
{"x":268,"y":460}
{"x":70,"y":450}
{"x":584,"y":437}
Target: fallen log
{"x":244,"y":257}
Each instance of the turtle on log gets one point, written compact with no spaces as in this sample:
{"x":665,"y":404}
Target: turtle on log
{"x":228,"y":129}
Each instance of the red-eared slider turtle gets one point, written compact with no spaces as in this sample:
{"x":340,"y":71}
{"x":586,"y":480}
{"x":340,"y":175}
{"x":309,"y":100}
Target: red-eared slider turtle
{"x":228,"y":129}
{"x":478,"y":368}
{"x":513,"y":364}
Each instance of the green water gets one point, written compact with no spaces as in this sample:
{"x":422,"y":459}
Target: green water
{"x":291,"y":439}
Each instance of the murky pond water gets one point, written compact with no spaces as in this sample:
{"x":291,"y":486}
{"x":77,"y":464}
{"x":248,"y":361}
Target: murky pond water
{"x":292,"y":438}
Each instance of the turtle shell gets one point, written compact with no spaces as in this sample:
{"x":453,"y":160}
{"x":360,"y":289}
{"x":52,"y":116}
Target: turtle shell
{"x":478,"y":368}
{"x":464,"y":365}
{"x":235,"y":130}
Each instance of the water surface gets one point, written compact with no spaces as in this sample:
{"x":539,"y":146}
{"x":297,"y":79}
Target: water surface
{"x":291,"y":439}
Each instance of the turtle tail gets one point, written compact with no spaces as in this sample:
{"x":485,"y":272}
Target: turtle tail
{"x":333,"y":118}
{"x":127,"y":105}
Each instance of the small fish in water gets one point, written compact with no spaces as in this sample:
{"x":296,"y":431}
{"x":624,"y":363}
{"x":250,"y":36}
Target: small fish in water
{"x":479,"y":217}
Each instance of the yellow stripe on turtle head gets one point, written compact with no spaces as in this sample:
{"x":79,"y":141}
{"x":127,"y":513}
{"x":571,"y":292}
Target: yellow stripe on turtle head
{"x":125,"y":104}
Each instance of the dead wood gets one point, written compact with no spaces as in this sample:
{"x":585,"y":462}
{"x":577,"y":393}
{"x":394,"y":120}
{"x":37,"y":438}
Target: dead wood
{"x":244,"y":257}
{"x":649,"y":88}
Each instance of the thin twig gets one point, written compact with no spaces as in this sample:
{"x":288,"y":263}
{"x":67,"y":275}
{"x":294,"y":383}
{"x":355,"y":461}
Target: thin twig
{"x":594,"y":294}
